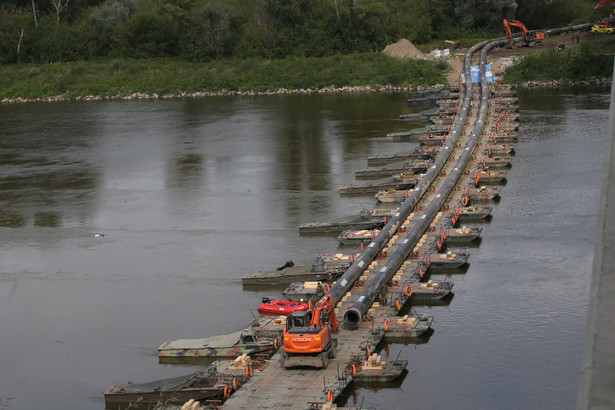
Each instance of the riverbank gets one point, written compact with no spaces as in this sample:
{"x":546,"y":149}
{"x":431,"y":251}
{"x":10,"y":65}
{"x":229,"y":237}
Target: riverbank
{"x":168,"y":78}
{"x":586,"y":64}
{"x":201,"y":94}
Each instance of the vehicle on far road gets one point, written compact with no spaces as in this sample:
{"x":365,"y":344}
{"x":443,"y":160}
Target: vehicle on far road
{"x":603,"y":28}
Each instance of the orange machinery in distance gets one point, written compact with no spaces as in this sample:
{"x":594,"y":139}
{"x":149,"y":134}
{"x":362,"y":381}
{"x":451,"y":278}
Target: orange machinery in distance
{"x":529,"y":37}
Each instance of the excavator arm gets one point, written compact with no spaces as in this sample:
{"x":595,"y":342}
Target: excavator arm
{"x":323,"y":313}
{"x":507,"y":28}
{"x":602,"y":3}
{"x":515,"y":23}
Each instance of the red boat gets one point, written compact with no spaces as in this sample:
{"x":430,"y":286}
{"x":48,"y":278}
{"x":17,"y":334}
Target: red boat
{"x":280,"y":307}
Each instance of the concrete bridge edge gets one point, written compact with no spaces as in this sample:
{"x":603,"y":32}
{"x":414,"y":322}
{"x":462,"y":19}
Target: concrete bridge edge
{"x":597,"y":382}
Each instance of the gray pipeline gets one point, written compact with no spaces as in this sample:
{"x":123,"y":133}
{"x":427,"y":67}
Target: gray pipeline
{"x":346,"y":281}
{"x":355,"y":313}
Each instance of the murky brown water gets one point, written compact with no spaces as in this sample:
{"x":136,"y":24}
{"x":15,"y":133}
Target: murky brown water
{"x":191,"y":194}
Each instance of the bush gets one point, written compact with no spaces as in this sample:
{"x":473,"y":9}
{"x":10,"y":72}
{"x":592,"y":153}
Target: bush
{"x":52,"y":43}
{"x":106,"y":18}
{"x":148,"y":33}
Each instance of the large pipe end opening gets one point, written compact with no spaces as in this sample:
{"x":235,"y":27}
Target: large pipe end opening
{"x":352,"y":318}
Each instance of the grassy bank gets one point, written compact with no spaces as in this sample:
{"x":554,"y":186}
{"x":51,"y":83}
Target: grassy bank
{"x":168,"y":76}
{"x":580,"y":63}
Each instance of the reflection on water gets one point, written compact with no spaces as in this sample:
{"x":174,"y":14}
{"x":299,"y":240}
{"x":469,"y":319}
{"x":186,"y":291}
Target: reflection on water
{"x":192,"y":194}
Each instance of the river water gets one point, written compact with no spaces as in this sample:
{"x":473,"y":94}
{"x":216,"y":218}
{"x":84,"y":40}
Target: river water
{"x":192,"y":194}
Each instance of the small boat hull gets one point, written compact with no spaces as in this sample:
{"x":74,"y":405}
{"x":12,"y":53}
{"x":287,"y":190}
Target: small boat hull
{"x":492,"y":177}
{"x":204,"y":385}
{"x":462,"y":235}
{"x":392,"y":169}
{"x":225,"y":346}
{"x":352,"y":237}
{"x":386,"y":373}
{"x":430,"y":290}
{"x":395,"y":182}
{"x":408,"y":327}
{"x":320,"y":271}
{"x":447,"y":261}
{"x":305,"y":291}
{"x":483,"y":194}
{"x":419,"y":153}
{"x":502,"y":139}
{"x":474,"y":213}
{"x":499,"y":149}
{"x":496,"y":162}
{"x":392,"y":196}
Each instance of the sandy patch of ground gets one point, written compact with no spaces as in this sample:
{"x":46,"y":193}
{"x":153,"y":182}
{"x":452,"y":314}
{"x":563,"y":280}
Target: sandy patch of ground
{"x":404,"y":49}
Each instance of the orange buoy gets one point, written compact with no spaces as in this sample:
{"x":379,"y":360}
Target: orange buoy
{"x":235,"y":383}
{"x":421,"y":272}
{"x":408,"y":291}
{"x":386,"y":326}
{"x":227,"y":391}
{"x":326,"y":288}
{"x":247,"y":373}
{"x":398,"y":305}
{"x":354,"y":370}
{"x":367,"y":349}
{"x":330,"y":396}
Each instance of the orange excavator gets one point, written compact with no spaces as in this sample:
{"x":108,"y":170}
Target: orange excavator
{"x":529,"y":37}
{"x":308,"y":336}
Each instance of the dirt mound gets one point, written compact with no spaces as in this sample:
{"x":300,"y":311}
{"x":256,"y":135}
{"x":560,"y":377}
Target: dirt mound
{"x":404,"y":49}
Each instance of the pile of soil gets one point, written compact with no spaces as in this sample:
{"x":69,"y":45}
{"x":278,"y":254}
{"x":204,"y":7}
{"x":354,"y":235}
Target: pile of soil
{"x":404,"y":49}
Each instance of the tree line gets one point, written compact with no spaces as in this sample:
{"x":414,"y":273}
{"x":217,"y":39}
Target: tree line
{"x":201,"y":30}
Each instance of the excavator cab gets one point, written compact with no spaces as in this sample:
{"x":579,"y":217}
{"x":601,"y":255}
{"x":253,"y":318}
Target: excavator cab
{"x":300,"y":322}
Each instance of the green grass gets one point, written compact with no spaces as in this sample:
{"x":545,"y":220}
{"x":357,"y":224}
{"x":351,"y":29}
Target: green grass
{"x":169,"y":76}
{"x":580,"y":63}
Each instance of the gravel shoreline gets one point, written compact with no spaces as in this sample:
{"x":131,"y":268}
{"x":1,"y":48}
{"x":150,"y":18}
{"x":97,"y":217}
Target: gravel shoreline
{"x":283,"y":91}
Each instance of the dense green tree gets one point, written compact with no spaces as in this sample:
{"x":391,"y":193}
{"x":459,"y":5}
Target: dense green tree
{"x":537,"y":14}
{"x":105,"y":18}
{"x":198,"y":30}
{"x":14,"y":22}
{"x":52,"y":42}
{"x":148,"y":33}
{"x":209,"y":34}
{"x":487,"y":14}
